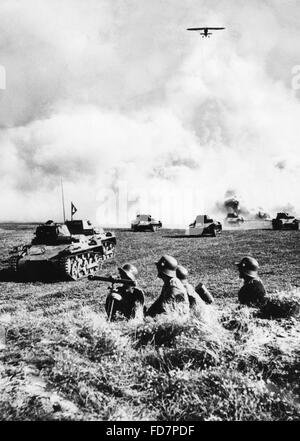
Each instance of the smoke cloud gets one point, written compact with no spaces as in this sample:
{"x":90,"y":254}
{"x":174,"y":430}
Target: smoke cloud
{"x":122,"y":103}
{"x":262,"y":215}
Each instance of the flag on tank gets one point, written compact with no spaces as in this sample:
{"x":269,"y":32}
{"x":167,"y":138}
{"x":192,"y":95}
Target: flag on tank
{"x":73,"y":209}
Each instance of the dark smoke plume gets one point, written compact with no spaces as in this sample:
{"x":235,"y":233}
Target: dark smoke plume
{"x":232,"y":205}
{"x":262,"y":215}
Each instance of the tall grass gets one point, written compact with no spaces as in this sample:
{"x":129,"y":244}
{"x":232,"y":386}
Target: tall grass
{"x":211,"y":364}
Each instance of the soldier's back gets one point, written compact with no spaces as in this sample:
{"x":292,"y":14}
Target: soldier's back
{"x":124,"y":301}
{"x":252,"y":293}
{"x":174,"y":291}
{"x":195,"y":300}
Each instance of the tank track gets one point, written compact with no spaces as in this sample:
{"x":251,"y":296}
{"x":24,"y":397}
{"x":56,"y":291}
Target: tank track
{"x":82,"y":265}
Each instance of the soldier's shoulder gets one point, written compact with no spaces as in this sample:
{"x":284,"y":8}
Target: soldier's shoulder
{"x":254,"y":285}
{"x":176,"y":283}
{"x":138,"y":290}
{"x":258,"y":283}
{"x":260,"y":287}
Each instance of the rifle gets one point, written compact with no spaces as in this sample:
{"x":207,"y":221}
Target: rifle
{"x":113,"y":281}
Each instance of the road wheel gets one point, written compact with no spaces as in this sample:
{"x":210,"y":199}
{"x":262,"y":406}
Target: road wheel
{"x":98,"y":259}
{"x":82,"y":266}
{"x":92,"y":264}
{"x":13,"y":264}
{"x":75,"y":267}
{"x":108,"y":251}
{"x":65,"y":267}
{"x":69,"y":268}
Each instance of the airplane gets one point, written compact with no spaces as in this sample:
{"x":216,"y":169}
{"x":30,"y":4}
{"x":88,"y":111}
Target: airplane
{"x":205,"y":32}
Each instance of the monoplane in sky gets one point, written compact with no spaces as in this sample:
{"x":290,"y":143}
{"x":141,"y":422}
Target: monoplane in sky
{"x":205,"y":32}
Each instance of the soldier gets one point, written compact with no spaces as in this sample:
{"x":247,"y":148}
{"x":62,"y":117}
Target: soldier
{"x":173,"y":292}
{"x":127,"y":300}
{"x":195,"y":299}
{"x":252,"y":292}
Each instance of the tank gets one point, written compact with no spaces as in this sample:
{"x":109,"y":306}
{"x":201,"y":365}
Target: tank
{"x":284,"y":221}
{"x":74,"y":249}
{"x":262,"y":215}
{"x":204,"y":226}
{"x":145,"y":222}
{"x":234,"y":219}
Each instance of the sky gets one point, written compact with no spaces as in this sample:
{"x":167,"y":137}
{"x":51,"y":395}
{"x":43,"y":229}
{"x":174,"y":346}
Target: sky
{"x":133,"y":113}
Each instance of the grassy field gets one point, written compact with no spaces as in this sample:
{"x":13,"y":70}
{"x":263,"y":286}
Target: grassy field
{"x":61,"y":360}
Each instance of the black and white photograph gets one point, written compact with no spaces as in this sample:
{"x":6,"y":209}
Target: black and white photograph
{"x":149,"y":213}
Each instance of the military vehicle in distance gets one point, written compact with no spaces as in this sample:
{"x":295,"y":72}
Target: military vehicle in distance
{"x":74,"y":249}
{"x":145,"y":222}
{"x":234,"y":219}
{"x":204,"y":226}
{"x":262,"y":215}
{"x":284,"y":221}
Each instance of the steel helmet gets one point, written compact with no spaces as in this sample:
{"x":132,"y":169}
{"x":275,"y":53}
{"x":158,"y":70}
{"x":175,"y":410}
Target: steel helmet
{"x":167,"y":265}
{"x":128,"y":271}
{"x":249,"y":266}
{"x":182,"y":272}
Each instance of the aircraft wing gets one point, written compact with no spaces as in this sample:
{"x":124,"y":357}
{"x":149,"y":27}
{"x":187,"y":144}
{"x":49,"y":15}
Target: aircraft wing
{"x":203,"y":29}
